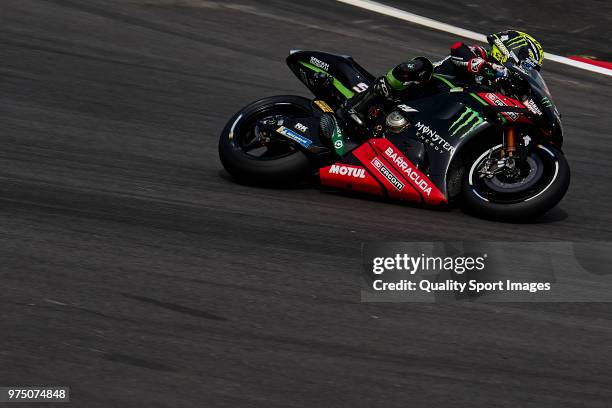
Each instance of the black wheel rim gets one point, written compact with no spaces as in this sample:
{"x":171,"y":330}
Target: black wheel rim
{"x":527,"y":180}
{"x":254,"y":134}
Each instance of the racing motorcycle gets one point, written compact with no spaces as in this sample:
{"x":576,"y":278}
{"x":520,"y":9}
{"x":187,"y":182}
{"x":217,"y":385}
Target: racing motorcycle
{"x":493,"y":147}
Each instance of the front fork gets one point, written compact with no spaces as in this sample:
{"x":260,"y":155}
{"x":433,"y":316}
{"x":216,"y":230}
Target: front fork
{"x":512,"y":154}
{"x":507,"y":155}
{"x":509,"y":141}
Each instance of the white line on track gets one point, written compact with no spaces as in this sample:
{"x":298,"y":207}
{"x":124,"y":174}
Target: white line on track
{"x":437,"y":25}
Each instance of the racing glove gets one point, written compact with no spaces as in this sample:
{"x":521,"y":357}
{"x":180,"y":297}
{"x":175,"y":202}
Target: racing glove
{"x":497,"y":71}
{"x":479,"y":66}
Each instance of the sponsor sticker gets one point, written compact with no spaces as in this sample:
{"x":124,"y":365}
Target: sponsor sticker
{"x":301,"y":128}
{"x":498,"y":102}
{"x":407,"y":109}
{"x":356,"y":172}
{"x":526,"y":140}
{"x":468,"y":120}
{"x":318,"y":63}
{"x":383,"y":86}
{"x":410,"y":173}
{"x":548,"y":103}
{"x":382,"y":169}
{"x":338,"y":139}
{"x":533,"y":107}
{"x":323,"y":106}
{"x":433,"y":139}
{"x":296,"y":137}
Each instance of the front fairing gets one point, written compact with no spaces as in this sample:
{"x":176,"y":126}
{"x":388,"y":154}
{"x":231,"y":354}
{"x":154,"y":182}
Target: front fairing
{"x":440,"y":123}
{"x":540,"y":101}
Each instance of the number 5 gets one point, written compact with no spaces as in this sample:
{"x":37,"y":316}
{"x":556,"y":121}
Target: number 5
{"x":360,"y":87}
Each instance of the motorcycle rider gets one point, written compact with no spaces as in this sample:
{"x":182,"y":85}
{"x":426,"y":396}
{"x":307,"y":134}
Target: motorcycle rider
{"x":467,"y":62}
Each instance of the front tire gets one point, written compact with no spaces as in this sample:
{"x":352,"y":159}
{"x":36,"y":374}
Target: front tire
{"x":545,"y":181}
{"x":284,"y":164}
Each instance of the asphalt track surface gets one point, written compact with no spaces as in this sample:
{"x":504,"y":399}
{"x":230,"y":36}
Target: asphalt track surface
{"x":136,"y":271}
{"x":564,"y":28}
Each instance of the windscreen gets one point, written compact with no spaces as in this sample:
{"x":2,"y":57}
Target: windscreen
{"x":536,"y":78}
{"x":533,"y":76}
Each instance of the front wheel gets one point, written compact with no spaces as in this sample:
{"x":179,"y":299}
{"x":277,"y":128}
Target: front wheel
{"x":252,"y":152}
{"x":502,"y":188}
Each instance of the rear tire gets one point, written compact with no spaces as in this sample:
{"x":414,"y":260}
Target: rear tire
{"x":287,"y":169}
{"x":553,"y":182}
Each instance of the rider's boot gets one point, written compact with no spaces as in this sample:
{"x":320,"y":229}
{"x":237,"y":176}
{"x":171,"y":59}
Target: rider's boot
{"x":356,"y":107}
{"x":411,"y":74}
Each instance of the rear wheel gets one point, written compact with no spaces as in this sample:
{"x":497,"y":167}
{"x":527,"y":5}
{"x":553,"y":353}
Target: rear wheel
{"x":500,"y":188}
{"x":251,"y":150}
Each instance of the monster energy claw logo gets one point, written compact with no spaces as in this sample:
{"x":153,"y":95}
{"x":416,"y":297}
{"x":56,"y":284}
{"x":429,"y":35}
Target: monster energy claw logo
{"x":470,"y":118}
{"x":517,"y":42}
